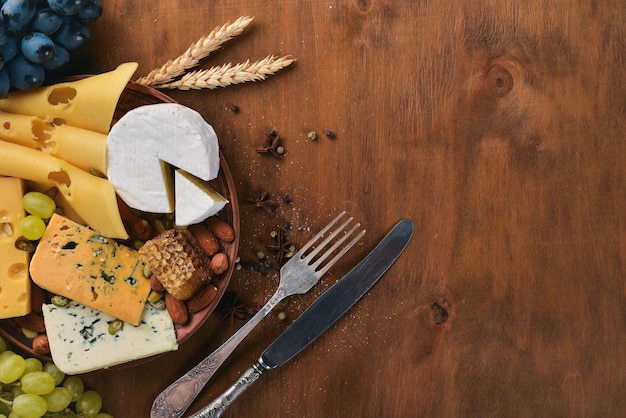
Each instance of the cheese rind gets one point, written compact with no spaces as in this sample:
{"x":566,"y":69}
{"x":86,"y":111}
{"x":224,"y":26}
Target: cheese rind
{"x":74,"y":261}
{"x":92,"y":198}
{"x":14,"y":279}
{"x":195,"y":199}
{"x":80,"y":341}
{"x":88,"y":103}
{"x":147,"y":137}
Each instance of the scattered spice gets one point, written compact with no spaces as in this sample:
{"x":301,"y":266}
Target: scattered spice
{"x":312,"y":135}
{"x":234,"y":109}
{"x":329,"y":133}
{"x":231,"y":307}
{"x":282,"y":246}
{"x":263,"y":201}
{"x":271,"y":144}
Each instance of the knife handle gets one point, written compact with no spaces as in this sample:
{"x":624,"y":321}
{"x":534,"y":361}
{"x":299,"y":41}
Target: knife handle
{"x":217,"y":407}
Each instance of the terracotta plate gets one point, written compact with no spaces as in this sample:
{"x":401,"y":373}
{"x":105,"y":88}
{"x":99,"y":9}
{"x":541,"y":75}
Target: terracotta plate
{"x":136,"y":95}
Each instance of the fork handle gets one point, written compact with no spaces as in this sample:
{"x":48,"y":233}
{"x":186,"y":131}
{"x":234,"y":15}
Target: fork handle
{"x":217,"y":407}
{"x":176,"y":398}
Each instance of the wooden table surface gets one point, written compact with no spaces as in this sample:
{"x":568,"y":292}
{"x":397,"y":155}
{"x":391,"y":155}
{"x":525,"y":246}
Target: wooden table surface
{"x":496,"y":127}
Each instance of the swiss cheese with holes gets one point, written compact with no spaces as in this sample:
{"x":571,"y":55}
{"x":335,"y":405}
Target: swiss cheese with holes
{"x":14,"y":280}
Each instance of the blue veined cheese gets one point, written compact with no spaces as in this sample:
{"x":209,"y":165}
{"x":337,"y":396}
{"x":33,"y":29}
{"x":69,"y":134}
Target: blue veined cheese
{"x":80,"y":341}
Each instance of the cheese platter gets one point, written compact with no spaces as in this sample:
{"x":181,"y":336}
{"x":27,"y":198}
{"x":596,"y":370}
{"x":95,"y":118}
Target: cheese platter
{"x":16,"y":330}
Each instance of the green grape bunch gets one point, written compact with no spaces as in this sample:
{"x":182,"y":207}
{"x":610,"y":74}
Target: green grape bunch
{"x":32,"y":389}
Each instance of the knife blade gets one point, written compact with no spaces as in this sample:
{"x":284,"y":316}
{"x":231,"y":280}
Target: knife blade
{"x":318,"y":317}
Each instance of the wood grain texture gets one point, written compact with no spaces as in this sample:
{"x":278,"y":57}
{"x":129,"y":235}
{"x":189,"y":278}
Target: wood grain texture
{"x":497,"y":127}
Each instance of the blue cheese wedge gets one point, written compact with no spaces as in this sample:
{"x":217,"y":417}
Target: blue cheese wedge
{"x":80,"y":341}
{"x":195,"y":199}
{"x":144,"y":145}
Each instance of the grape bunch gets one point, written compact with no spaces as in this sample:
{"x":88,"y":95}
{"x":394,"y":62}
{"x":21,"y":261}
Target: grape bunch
{"x":32,"y":389}
{"x":37,"y":35}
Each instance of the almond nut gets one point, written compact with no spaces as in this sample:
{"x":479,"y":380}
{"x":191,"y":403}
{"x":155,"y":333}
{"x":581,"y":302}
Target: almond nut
{"x":156,"y":285}
{"x":202,"y":298}
{"x":219,"y":263}
{"x":41,"y":345}
{"x":207,"y":241}
{"x":221,"y":229}
{"x":177,"y":309}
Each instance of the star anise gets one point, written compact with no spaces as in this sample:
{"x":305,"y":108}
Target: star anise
{"x":263,"y":201}
{"x":283,"y":247}
{"x":231,"y":307}
{"x":271,"y":144}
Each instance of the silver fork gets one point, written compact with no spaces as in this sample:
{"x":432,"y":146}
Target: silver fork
{"x":297,"y":276}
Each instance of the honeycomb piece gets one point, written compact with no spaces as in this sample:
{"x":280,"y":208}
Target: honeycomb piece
{"x":177,"y":261}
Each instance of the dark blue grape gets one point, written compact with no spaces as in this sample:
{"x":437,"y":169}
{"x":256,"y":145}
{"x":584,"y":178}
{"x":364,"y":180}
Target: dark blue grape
{"x":9,"y":49}
{"x":24,"y":75}
{"x":72,"y":34}
{"x":37,"y":47}
{"x":60,"y":58}
{"x":67,"y":7}
{"x":91,"y":11}
{"x":46,"y":21}
{"x":3,"y":35}
{"x":15,"y":14}
{"x":5,"y":83}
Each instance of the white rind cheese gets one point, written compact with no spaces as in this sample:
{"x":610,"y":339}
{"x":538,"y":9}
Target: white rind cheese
{"x":146,"y":141}
{"x":80,"y":341}
{"x":195,"y":199}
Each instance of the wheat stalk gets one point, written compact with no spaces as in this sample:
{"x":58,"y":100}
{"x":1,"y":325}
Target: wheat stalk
{"x":197,"y":51}
{"x":227,"y":74}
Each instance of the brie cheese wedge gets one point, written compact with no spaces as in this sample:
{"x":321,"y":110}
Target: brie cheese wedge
{"x":148,"y":142}
{"x":195,"y":199}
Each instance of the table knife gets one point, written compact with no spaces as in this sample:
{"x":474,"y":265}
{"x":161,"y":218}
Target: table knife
{"x":318,"y":317}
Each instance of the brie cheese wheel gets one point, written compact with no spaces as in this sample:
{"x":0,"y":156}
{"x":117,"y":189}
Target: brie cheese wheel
{"x":80,"y":341}
{"x":147,"y":141}
{"x":195,"y":199}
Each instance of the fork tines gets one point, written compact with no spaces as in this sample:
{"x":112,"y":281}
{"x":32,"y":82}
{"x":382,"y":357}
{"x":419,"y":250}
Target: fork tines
{"x":338,"y":248}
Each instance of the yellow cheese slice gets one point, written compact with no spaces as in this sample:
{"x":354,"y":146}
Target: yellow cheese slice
{"x":81,"y":147}
{"x":14,"y":280}
{"x":76,"y":262}
{"x":92,"y":198}
{"x":88,"y":103}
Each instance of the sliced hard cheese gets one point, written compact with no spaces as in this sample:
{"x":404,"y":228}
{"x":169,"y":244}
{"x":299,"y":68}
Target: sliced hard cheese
{"x":14,"y":280}
{"x":92,"y":198}
{"x":74,"y":261}
{"x":195,"y":199}
{"x":80,"y":147}
{"x":80,"y":341}
{"x":88,"y":103}
{"x":145,"y":140}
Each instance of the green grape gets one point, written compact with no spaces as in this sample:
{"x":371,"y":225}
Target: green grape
{"x":39,"y":204}
{"x":11,"y":367}
{"x":29,"y":406}
{"x":89,"y":404}
{"x":57,"y":400}
{"x":38,"y":383}
{"x":32,"y":227}
{"x":75,"y":385}
{"x":6,"y":354}
{"x":32,"y":365}
{"x":54,"y":371}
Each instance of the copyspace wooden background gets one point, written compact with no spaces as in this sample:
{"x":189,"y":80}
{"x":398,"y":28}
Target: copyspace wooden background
{"x":496,"y":127}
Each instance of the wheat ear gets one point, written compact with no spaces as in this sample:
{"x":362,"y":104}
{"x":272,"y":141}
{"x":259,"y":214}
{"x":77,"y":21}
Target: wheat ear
{"x":227,"y":74}
{"x":197,"y":51}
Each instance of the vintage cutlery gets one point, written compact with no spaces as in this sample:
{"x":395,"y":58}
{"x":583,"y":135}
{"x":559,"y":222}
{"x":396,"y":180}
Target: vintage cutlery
{"x":327,"y":309}
{"x":297,"y":276}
